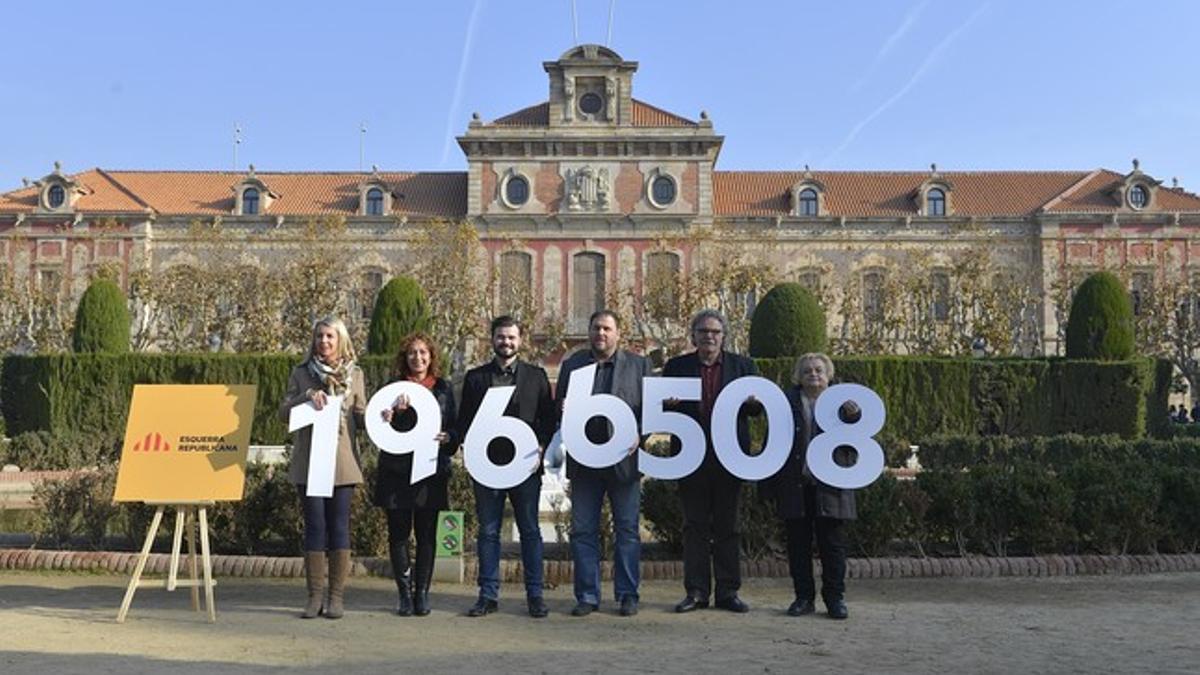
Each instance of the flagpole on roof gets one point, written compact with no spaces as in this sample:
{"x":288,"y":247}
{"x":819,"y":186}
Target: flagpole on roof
{"x":574,"y":24}
{"x":611,"y":6}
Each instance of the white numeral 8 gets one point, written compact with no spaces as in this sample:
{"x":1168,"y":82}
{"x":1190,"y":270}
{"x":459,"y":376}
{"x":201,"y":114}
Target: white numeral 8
{"x":858,"y":435}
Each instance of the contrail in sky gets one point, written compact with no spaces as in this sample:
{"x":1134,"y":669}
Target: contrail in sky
{"x":931,"y":59}
{"x":890,"y":42}
{"x":458,"y":85}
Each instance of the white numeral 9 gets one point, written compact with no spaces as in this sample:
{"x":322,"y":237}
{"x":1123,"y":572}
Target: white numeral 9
{"x":420,"y":439}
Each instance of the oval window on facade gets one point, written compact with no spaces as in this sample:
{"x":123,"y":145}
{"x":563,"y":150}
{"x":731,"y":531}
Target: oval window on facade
{"x":516,"y":191}
{"x":55,"y":196}
{"x":591,"y":103}
{"x":1138,"y":197}
{"x":662,"y":190}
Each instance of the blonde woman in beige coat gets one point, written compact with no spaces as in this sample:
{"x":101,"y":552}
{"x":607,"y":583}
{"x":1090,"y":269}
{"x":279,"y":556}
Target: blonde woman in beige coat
{"x":328,"y":371}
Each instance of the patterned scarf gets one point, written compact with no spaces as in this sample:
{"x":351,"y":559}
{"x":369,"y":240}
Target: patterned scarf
{"x":335,"y":381}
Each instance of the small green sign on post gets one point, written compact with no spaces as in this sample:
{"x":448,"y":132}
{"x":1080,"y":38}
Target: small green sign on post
{"x":448,"y":563}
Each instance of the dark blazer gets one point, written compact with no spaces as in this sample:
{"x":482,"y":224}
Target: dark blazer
{"x":531,"y":401}
{"x":628,"y":371}
{"x":788,"y":487}
{"x":733,"y":366}
{"x":399,"y":467}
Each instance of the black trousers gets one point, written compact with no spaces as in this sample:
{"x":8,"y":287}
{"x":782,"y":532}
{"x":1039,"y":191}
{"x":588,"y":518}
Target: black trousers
{"x":831,"y":543}
{"x":711,"y":536}
{"x":400,"y":523}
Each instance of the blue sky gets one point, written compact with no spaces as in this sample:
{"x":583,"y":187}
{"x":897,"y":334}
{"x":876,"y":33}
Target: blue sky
{"x":972,"y":84}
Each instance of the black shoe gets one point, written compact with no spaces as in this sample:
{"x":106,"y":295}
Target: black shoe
{"x":404,"y":607}
{"x":420,"y":604}
{"x":801,"y":607}
{"x":483,"y":607}
{"x":583,"y":609}
{"x":734,"y":604}
{"x":537,"y":608}
{"x":628,"y":606}
{"x":837,"y":609}
{"x":691,"y":603}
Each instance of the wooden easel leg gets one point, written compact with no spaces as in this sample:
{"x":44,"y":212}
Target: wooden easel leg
{"x":190,"y":524}
{"x":207,"y":562}
{"x":176,"y":540}
{"x":141,"y":564}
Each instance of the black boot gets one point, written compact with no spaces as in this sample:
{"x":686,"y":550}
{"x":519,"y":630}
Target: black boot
{"x":398,"y":552}
{"x":422,"y":576}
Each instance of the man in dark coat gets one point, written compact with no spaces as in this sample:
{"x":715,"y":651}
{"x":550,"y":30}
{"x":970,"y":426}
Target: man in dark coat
{"x":532,"y":404}
{"x":710,"y":495}
{"x":619,"y":373}
{"x":807,"y":505}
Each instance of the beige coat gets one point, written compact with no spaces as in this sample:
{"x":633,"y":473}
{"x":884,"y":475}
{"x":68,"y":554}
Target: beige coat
{"x":347,"y":470}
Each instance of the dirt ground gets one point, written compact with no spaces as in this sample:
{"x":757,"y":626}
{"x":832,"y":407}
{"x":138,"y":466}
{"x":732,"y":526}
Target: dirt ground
{"x":65,"y":623}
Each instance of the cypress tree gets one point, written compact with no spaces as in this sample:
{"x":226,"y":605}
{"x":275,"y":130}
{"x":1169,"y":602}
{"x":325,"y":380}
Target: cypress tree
{"x":400,"y":309}
{"x":788,"y":322}
{"x":1101,"y":321}
{"x":101,"y":320}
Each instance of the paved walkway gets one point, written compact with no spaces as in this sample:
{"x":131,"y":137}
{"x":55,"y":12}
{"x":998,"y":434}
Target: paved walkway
{"x":57,"y":622}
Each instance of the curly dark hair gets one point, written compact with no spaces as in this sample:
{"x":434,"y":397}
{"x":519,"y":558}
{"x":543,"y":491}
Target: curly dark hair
{"x":400,"y":366}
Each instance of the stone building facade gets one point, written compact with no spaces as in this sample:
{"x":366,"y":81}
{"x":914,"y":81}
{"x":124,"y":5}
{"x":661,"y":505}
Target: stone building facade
{"x":579,"y":196}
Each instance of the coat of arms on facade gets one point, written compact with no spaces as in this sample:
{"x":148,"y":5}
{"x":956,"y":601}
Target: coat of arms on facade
{"x":588,"y":189}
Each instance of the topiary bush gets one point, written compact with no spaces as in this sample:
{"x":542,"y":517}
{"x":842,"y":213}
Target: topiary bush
{"x":101,"y":320}
{"x":787,"y":322}
{"x":400,"y":309}
{"x":1101,"y":321}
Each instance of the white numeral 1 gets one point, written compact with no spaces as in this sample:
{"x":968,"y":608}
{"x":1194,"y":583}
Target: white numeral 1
{"x":322,"y":451}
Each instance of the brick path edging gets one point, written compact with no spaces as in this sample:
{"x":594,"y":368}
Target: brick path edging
{"x":560,"y":571}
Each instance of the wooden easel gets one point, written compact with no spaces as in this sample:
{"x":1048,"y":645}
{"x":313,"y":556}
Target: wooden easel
{"x":186,"y":515}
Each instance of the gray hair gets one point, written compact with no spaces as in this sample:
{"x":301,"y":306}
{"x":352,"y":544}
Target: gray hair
{"x":812,"y":356}
{"x":705,"y":314}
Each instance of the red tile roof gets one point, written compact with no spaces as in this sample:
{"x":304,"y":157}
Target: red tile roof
{"x":210,"y":192}
{"x":888,"y":193}
{"x":644,"y":115}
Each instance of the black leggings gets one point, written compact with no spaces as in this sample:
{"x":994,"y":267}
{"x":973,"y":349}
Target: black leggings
{"x":401,"y":522}
{"x":327,"y":519}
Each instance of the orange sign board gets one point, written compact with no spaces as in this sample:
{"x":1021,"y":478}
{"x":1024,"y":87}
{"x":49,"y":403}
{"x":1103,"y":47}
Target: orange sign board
{"x":186,"y":442}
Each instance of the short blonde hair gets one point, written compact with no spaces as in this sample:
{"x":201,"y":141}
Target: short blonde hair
{"x":345,"y":350}
{"x":812,"y":356}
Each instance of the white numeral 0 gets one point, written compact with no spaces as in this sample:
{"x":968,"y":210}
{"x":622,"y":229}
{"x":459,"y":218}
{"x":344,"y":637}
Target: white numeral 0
{"x":780,"y":428}
{"x":858,"y":435}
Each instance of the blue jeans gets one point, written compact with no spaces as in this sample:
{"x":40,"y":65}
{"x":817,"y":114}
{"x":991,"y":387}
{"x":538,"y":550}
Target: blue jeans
{"x":327,"y":519}
{"x":587,"y":496}
{"x":489,"y":510}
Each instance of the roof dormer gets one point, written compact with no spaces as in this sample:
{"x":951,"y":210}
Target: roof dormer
{"x":1137,"y":191}
{"x":374,"y":195}
{"x":58,"y":193}
{"x":251,"y":196}
{"x":591,"y":85}
{"x":808,"y":196}
{"x":935,"y":196}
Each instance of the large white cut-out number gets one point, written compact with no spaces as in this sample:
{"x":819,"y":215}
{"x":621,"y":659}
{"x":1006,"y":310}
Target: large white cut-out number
{"x":780,"y":428}
{"x":858,"y":435}
{"x":420,"y":439}
{"x":491,"y":423}
{"x":322,"y":450}
{"x":655,"y":420}
{"x":580,"y":406}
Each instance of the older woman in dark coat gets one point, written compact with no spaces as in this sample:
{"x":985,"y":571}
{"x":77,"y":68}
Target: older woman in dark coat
{"x":808,"y":506}
{"x":415,"y":506}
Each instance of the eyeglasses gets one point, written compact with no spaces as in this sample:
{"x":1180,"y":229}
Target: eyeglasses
{"x":709,"y":331}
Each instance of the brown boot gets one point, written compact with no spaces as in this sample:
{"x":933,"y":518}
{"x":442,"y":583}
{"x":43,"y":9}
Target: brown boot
{"x":339,"y":569}
{"x":315,"y":572}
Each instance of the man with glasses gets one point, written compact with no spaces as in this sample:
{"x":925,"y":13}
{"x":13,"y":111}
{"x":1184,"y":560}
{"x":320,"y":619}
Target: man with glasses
{"x":710,"y":495}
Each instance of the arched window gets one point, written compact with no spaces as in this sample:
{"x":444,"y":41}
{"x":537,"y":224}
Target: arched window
{"x":374,"y":202}
{"x":935,"y":202}
{"x":250,"y":202}
{"x":588,"y":287}
{"x":808,"y":202}
{"x":872,"y":298}
{"x":661,"y":284}
{"x":516,"y":282}
{"x":941,"y":295}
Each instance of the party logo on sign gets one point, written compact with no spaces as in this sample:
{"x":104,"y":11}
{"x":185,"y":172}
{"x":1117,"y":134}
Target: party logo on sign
{"x":153,"y":442}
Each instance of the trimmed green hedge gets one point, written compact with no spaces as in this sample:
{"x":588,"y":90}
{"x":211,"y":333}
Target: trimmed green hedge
{"x":62,"y":393}
{"x":925,"y":396}
{"x":1016,"y":397}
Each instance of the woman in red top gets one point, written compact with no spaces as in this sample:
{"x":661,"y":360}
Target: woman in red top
{"x":415,"y":506}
